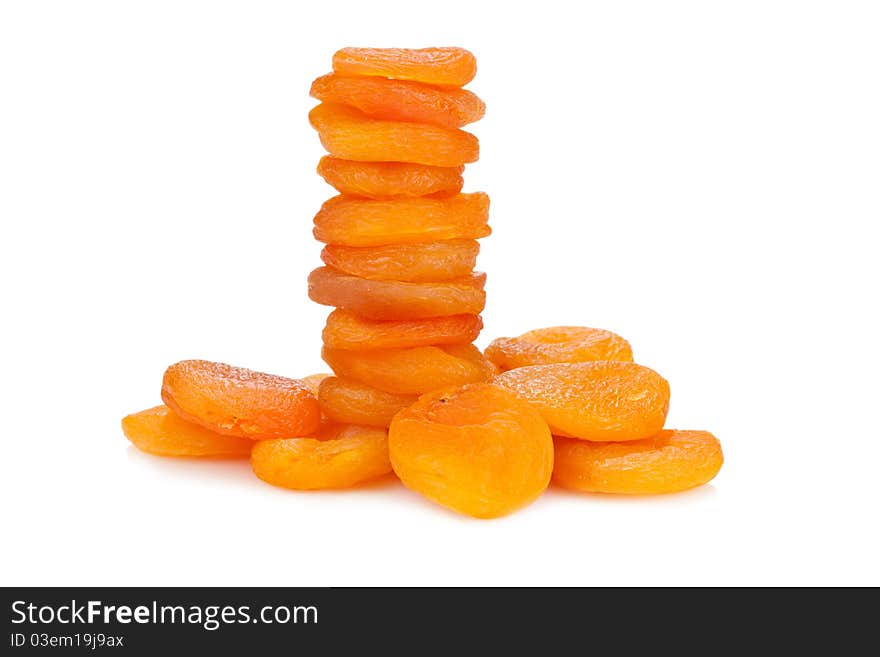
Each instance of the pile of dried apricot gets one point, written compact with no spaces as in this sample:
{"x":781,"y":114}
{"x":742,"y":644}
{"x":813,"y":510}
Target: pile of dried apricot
{"x":481,"y":433}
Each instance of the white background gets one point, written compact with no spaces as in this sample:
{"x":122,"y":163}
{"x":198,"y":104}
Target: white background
{"x":701,"y":177}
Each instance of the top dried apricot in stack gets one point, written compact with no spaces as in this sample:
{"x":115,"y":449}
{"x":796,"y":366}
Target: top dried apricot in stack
{"x":453,"y":67}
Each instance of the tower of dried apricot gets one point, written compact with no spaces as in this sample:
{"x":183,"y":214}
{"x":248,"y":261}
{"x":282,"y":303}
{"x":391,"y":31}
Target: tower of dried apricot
{"x":400,"y":237}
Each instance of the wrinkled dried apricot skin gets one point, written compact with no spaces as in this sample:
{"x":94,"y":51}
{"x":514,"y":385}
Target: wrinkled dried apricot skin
{"x":345,"y":330}
{"x":352,"y":402}
{"x":426,"y":262}
{"x":668,"y":462}
{"x":160,"y":432}
{"x":598,"y":401}
{"x":558,"y":344}
{"x":351,"y":456}
{"x":235,"y":401}
{"x":411,"y":371}
{"x":478,"y":450}
{"x":446,"y":66}
{"x":383,"y":180}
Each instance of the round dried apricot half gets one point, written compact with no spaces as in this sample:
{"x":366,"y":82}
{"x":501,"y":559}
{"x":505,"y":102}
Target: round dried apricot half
{"x":352,"y":402}
{"x":558,"y":344}
{"x":383,"y":180}
{"x":159,"y":431}
{"x":345,"y":330}
{"x":448,"y":66}
{"x":414,"y":263}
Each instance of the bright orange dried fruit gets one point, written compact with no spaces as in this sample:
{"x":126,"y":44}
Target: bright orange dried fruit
{"x":351,"y":135}
{"x":368,"y":222}
{"x":313,"y":381}
{"x":235,"y":401}
{"x":558,"y":344}
{"x":352,"y":402}
{"x":414,"y":263}
{"x":384,"y":180}
{"x":478,"y":450}
{"x":352,"y":455}
{"x":668,"y":462}
{"x":447,"y":66}
{"x":345,"y":330}
{"x":397,"y":300}
{"x":401,"y":100}
{"x":159,"y":431}
{"x":599,"y":401}
{"x":411,"y":371}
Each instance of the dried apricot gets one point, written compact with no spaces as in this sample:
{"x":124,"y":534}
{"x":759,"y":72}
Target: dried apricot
{"x":599,"y":400}
{"x":414,"y":263}
{"x":367,"y":222}
{"x":389,"y":179}
{"x":665,"y":463}
{"x":235,"y":401}
{"x":401,"y":100}
{"x":313,"y":381}
{"x":354,"y":454}
{"x":159,"y":431}
{"x":396,"y":299}
{"x":351,"y":135}
{"x":352,"y":402}
{"x":557,"y":344}
{"x":411,"y":371}
{"x":345,"y":330}
{"x":478,"y":449}
{"x":444,"y":66}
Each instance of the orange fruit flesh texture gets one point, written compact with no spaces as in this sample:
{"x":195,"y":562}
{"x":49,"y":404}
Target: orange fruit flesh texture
{"x":350,"y":456}
{"x":426,"y":262}
{"x":349,"y":134}
{"x":235,"y":401}
{"x":599,"y":401}
{"x":478,"y":450}
{"x":313,"y":381}
{"x":382,"y":180}
{"x":453,"y":67}
{"x":668,"y":462}
{"x":345,"y":330}
{"x":352,"y":402}
{"x":411,"y":371}
{"x":401,"y":100}
{"x":558,"y":344}
{"x":160,"y":432}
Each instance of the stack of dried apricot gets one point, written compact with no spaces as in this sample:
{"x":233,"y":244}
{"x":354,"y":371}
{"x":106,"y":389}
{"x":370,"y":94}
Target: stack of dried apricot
{"x":479,"y":433}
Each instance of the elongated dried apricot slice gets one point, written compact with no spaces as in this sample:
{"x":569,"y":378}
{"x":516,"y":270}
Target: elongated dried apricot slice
{"x":159,"y":431}
{"x":478,"y":450}
{"x":558,"y":344}
{"x":444,"y":66}
{"x":353,"y":455}
{"x":414,"y":263}
{"x":396,"y":299}
{"x":367,"y":222}
{"x":600,"y":400}
{"x":235,"y":401}
{"x":411,"y":371}
{"x":345,"y":330}
{"x":668,"y":462}
{"x":352,"y":402}
{"x":351,"y":135}
{"x":401,"y":100}
{"x":384,"y":180}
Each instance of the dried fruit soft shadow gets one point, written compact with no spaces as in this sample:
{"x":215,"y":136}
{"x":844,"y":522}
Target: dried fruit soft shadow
{"x":668,"y":462}
{"x":600,"y":401}
{"x":558,"y":344}
{"x":447,"y":66}
{"x":159,"y":431}
{"x":235,"y":401}
{"x":351,"y":455}
{"x":383,"y":180}
{"x":479,"y":450}
{"x":345,"y":330}
{"x":352,"y":402}
{"x":413,"y":263}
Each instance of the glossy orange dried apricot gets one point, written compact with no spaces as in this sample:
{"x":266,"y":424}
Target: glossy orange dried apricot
{"x":448,"y":66}
{"x":478,"y":450}
{"x":414,"y":263}
{"x":401,"y":100}
{"x":396,"y":299}
{"x":345,"y":330}
{"x":313,"y":381}
{"x":599,"y":400}
{"x":557,"y":344}
{"x":235,"y":401}
{"x":384,"y":180}
{"x":351,"y":135}
{"x":353,"y":455}
{"x":352,"y":402}
{"x":411,"y":371}
{"x":367,"y":222}
{"x":668,"y":462}
{"x":159,"y":431}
